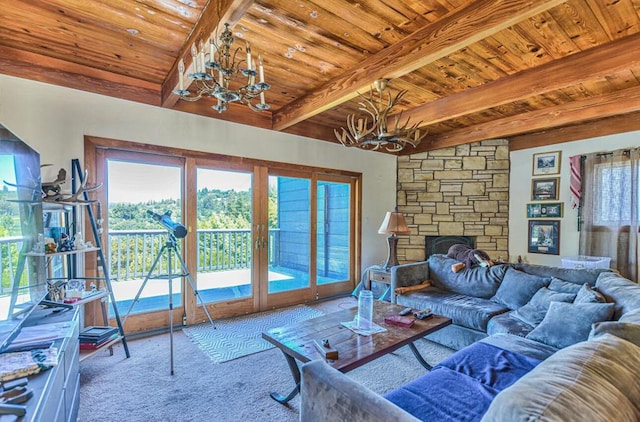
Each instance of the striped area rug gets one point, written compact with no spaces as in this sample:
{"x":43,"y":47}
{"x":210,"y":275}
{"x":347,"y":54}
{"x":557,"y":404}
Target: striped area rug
{"x":241,"y":336}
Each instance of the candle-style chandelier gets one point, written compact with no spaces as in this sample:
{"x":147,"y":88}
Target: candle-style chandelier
{"x":219,"y":73}
{"x":376,"y":134}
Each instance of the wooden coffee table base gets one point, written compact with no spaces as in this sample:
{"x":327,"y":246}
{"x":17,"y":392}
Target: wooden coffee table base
{"x":296,"y":341}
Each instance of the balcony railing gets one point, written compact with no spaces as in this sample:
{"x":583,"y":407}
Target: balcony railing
{"x":134,"y":252}
{"x":9,"y":251}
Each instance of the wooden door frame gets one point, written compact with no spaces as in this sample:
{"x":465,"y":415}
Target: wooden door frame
{"x":147,"y":320}
{"x":93,"y":143}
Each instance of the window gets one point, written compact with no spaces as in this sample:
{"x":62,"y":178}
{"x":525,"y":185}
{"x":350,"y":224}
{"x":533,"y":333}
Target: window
{"x":612,"y":195}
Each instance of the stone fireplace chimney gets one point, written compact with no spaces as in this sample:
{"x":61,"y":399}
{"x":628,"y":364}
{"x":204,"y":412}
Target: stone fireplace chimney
{"x":456,"y":191}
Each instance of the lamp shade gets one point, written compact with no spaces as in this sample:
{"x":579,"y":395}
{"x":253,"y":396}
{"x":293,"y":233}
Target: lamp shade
{"x":394,"y":223}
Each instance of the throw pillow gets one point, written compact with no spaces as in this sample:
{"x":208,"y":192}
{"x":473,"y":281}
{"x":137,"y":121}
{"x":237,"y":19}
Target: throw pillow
{"x":564,"y":286}
{"x":533,"y":312}
{"x":569,"y":323}
{"x":588,"y":295}
{"x":518,"y":287}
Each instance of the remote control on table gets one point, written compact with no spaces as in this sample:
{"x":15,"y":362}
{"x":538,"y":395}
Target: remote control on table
{"x":405,"y":311}
{"x":423,"y":314}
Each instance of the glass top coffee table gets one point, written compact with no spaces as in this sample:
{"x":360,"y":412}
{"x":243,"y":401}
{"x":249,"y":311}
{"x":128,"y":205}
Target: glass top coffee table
{"x":296,"y":341}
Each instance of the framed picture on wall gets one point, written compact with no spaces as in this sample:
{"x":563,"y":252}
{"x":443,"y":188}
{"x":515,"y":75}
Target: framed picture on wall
{"x":545,"y":189}
{"x":534,"y":210}
{"x":544,"y":237}
{"x":545,"y":163}
{"x":547,"y":210}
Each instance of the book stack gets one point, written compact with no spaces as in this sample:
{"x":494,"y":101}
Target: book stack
{"x":92,"y":338}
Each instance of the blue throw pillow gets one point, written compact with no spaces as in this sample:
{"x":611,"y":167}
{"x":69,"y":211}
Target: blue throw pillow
{"x":533,"y":312}
{"x":517,"y":288}
{"x":588,"y":295}
{"x":569,"y":323}
{"x":564,"y":286}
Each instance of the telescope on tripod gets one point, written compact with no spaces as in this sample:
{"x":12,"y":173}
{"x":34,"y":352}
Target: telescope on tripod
{"x":175,"y":231}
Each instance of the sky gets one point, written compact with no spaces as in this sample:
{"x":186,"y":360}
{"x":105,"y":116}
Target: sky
{"x":135,"y":183}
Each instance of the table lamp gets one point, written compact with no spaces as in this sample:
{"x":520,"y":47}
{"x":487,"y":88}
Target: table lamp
{"x":393,"y":224}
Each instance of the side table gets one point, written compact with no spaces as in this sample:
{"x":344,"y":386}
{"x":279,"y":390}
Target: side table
{"x":375,"y":274}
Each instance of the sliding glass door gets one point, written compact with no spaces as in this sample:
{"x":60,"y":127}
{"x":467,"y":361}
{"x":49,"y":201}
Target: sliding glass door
{"x":289,"y":249}
{"x":335,"y":247}
{"x":258,"y":235}
{"x":224,"y":248}
{"x":143,"y":253}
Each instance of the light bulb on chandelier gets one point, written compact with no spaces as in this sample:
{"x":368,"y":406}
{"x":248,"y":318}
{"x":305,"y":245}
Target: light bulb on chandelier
{"x":214,"y":72}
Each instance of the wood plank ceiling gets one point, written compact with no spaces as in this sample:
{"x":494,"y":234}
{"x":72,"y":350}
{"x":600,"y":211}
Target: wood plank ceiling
{"x":536,"y":72}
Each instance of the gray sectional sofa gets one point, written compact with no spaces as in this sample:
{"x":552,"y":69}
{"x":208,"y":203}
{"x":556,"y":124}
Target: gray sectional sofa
{"x":534,"y":343}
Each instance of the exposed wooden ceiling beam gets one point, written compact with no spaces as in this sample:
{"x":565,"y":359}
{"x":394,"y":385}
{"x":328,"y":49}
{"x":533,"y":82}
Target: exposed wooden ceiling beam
{"x":600,"y":61}
{"x":609,"y":126}
{"x":313,"y":130}
{"x":624,"y":101}
{"x":24,"y":64}
{"x":229,"y":11}
{"x":455,"y":31}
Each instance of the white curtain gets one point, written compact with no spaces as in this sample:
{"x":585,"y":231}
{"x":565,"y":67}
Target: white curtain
{"x":610,"y":209}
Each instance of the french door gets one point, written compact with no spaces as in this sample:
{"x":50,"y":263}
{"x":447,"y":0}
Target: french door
{"x":143,"y":255}
{"x":258,"y":236}
{"x":253,"y":238}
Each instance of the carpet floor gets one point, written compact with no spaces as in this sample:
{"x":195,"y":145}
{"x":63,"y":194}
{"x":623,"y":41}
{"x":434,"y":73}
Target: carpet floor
{"x":141,"y":388}
{"x":236,"y":337}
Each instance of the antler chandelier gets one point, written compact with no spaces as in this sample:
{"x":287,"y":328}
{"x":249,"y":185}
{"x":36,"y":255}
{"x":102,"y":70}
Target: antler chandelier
{"x":215,"y":71}
{"x":376,"y":135}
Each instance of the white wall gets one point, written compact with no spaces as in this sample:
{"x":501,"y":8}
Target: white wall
{"x":54,"y":121}
{"x":520,"y":194}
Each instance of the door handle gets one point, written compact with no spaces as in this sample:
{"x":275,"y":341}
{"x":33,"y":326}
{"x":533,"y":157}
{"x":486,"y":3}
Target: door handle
{"x":257,"y":243}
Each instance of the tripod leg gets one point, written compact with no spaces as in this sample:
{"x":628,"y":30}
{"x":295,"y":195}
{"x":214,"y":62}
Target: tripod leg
{"x":169,"y":278}
{"x":144,"y":283}
{"x":185,"y":273}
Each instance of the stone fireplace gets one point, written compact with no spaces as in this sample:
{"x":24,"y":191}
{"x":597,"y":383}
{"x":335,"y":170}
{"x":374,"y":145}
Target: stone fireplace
{"x":455,"y":191}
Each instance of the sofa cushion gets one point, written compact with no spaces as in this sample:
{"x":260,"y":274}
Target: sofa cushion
{"x":480,"y":282}
{"x":631,"y":316}
{"x":329,"y":395}
{"x":508,"y":323}
{"x":621,"y":291}
{"x":478,"y":373}
{"x":625,"y":330}
{"x":564,"y":286}
{"x":569,"y":323}
{"x":467,"y":311}
{"x":588,"y":295}
{"x":517,"y":288}
{"x":627,"y":327}
{"x":591,"y":381}
{"x":489,"y":364}
{"x":521,"y":345}
{"x":573,"y":275}
{"x":466,"y":399}
{"x":534,"y":311}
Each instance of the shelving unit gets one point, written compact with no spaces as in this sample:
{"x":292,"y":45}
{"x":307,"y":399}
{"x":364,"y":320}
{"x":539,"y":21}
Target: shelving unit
{"x":105,"y":294}
{"x":51,"y":255}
